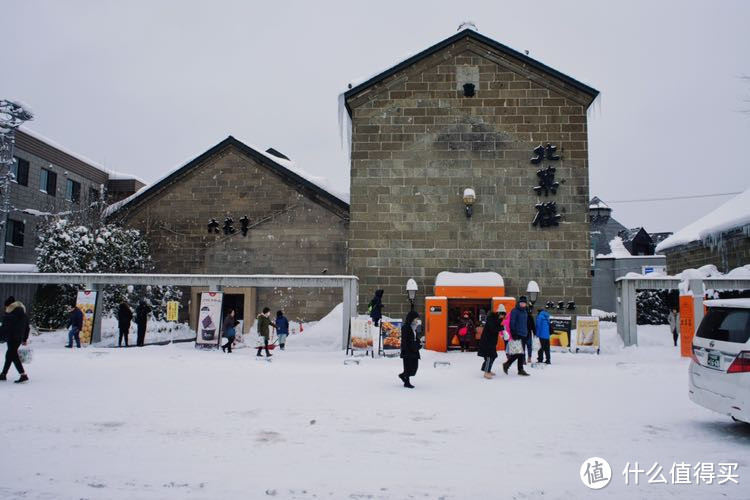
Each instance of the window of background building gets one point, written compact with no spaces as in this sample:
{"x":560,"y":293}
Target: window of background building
{"x":73,"y":191}
{"x":48,"y":182}
{"x":20,"y":169}
{"x":14,"y":233}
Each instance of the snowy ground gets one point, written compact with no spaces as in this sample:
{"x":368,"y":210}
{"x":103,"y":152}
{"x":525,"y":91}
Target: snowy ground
{"x":173,"y":422}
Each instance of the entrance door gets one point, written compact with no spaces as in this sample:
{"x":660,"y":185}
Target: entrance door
{"x":436,"y":323}
{"x":234,"y":301}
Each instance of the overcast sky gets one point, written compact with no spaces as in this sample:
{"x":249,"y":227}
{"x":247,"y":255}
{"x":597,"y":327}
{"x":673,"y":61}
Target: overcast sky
{"x":141,"y":86}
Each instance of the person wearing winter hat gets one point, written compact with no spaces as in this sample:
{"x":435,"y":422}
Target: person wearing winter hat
{"x":410,"y":346}
{"x":15,"y":330}
{"x":466,"y":329}
{"x":519,"y":332}
{"x":282,"y":328}
{"x":543,"y":330}
{"x":488,"y":342}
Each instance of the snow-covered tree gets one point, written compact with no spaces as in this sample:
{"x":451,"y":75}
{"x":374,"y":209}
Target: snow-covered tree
{"x":652,"y":307}
{"x":67,"y":246}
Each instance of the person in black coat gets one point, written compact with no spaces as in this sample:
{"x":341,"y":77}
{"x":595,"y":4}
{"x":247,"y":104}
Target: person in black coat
{"x":488,"y":342}
{"x":124,"y":317}
{"x":15,"y":331}
{"x":410,"y":346}
{"x":141,"y":318}
{"x":75,"y":324}
{"x":531,"y":329}
{"x":376,"y":307}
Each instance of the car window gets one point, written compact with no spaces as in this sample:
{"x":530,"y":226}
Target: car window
{"x":727,"y":325}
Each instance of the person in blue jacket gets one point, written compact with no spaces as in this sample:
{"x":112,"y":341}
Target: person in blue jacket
{"x":543,"y":330}
{"x":519,"y":332}
{"x":282,"y":328}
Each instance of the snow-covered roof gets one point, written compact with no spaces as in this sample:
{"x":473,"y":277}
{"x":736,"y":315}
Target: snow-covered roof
{"x":733,"y":303}
{"x":447,"y":278}
{"x":18,"y":268}
{"x":597,"y":204}
{"x":617,"y":248}
{"x":288,"y":166}
{"x":733,"y":214}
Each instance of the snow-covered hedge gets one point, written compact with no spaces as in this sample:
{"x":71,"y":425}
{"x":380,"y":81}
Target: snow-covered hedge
{"x":66,"y":246}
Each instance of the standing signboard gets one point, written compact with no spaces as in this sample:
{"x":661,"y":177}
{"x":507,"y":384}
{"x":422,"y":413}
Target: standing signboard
{"x":390,"y":337}
{"x":361,"y":335}
{"x":209,"y":320}
{"x":559,"y":338}
{"x":587,"y":333}
{"x":86,"y":302}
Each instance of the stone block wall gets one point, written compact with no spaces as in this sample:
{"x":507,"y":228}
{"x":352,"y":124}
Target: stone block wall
{"x":417,"y":143}
{"x":289,"y":232}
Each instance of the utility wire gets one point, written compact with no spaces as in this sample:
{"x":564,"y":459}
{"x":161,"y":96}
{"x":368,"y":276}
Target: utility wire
{"x":674,"y":198}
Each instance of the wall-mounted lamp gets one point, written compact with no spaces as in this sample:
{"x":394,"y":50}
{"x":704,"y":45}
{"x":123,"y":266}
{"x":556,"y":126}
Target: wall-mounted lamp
{"x":469,"y":90}
{"x":411,"y":291}
{"x":532,"y":290}
{"x":470,"y":197}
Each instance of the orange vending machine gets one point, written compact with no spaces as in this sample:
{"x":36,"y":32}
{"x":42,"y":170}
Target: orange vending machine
{"x":456,"y":294}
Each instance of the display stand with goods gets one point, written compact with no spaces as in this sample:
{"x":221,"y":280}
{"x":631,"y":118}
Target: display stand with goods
{"x":390,"y":337}
{"x":209,"y":321}
{"x":360,"y":337}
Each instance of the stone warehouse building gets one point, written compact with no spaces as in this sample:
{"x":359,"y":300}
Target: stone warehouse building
{"x":282,"y":223}
{"x":721,"y":238}
{"x":468,"y":113}
{"x":50,"y":180}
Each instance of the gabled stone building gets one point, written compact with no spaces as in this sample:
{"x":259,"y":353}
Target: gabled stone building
{"x":468,"y":113}
{"x":294,"y":226}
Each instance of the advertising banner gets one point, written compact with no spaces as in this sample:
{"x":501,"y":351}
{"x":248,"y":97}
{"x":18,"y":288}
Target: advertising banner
{"x":687,"y":325}
{"x":209,"y":320}
{"x":559,"y":338}
{"x":390,"y":337}
{"x":587,"y":333}
{"x":86,"y":302}
{"x":361,"y":336}
{"x":172,"y":308}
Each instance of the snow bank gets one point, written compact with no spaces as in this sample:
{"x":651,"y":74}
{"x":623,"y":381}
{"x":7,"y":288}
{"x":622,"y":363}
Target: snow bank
{"x":325,"y":335}
{"x":447,"y":278}
{"x":731,"y":215}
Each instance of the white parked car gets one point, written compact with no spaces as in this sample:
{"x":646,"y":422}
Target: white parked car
{"x":720,"y":370}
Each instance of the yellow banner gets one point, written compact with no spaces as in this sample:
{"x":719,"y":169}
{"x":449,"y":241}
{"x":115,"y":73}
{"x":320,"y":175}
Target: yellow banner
{"x":172,"y":307}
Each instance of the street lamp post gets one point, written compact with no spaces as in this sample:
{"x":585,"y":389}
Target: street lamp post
{"x":532,"y":290}
{"x":411,"y":291}
{"x":12,"y":116}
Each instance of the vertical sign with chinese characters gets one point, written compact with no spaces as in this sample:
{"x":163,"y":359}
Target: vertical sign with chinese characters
{"x":687,"y":325}
{"x":546,"y":212}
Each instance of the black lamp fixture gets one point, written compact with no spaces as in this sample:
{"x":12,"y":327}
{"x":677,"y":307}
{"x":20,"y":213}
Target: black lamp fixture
{"x":469,"y":90}
{"x":470,"y":197}
{"x":532,"y":290}
{"x":411,"y":291}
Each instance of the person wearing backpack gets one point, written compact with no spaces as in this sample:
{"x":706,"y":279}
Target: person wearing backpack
{"x":375,"y":308}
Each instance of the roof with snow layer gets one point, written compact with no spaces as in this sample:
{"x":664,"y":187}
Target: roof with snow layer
{"x":468,"y":33}
{"x":291,"y":174}
{"x":732,"y":215}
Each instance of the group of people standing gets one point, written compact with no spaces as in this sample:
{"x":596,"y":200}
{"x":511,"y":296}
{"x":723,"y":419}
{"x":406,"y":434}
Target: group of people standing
{"x":518,"y":337}
{"x":125,"y":317}
{"x":264,"y":325}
